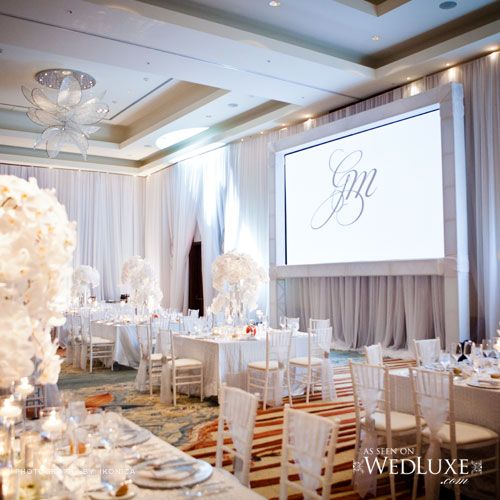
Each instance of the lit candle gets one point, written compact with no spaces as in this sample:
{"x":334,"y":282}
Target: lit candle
{"x":8,"y":410}
{"x":24,"y":388}
{"x":53,"y":424}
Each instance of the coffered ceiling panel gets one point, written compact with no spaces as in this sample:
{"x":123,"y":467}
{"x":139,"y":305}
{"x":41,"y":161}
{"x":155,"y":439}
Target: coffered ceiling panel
{"x":227,"y":68}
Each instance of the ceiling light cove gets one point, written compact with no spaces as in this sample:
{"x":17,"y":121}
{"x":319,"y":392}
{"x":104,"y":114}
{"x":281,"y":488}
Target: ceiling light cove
{"x":274,"y":3}
{"x":171,"y":138}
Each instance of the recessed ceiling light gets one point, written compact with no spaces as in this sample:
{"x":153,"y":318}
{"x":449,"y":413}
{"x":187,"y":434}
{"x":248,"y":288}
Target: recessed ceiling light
{"x":447,"y":5}
{"x":448,"y":65}
{"x":261,"y":132}
{"x":274,"y":3}
{"x":408,"y":78}
{"x":375,"y":38}
{"x":242,"y":140}
{"x":233,"y":105}
{"x":171,"y":138}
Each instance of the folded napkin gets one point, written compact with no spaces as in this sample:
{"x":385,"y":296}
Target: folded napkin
{"x":166,"y":474}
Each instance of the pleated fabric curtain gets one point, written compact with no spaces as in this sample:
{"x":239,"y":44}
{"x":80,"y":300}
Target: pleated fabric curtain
{"x":109,"y":212}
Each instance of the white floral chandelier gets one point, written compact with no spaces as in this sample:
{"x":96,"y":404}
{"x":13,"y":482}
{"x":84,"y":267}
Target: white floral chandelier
{"x":69,"y":120}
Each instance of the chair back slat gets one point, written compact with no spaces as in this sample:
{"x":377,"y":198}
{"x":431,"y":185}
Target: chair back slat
{"x":427,"y":351}
{"x":373,"y":354}
{"x":309,"y":441}
{"x":238,"y":410}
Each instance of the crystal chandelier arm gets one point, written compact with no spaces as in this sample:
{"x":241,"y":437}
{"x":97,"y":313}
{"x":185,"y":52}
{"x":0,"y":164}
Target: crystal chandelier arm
{"x":70,"y":93}
{"x":43,"y":102}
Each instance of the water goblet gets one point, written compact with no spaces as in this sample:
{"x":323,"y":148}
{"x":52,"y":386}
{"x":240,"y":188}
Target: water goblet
{"x":113,"y":471}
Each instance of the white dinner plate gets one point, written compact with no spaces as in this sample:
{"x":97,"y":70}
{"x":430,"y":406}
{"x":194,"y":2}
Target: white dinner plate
{"x":482,"y":385}
{"x":201,"y":472}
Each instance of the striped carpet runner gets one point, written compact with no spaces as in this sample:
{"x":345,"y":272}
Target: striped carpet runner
{"x":265,"y":469}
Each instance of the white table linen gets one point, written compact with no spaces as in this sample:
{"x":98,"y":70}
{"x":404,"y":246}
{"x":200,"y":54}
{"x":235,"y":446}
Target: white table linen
{"x":225,"y":361}
{"x":126,"y":352}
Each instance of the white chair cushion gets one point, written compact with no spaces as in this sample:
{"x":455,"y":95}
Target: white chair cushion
{"x":157,"y":356}
{"x":261,"y":365}
{"x":399,"y":421}
{"x":466,"y":433}
{"x":100,"y":340}
{"x":186,"y":362}
{"x":305,"y":361}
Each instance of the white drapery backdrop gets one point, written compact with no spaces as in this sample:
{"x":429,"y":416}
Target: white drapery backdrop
{"x":108,"y":210}
{"x":179,"y":198}
{"x":225,"y":193}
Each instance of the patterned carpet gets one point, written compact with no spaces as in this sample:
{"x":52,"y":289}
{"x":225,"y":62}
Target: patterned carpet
{"x":264,"y":474}
{"x":178,"y":426}
{"x":192,"y":425}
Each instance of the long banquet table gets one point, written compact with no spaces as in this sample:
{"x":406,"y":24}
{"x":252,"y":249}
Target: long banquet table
{"x":219,"y":486}
{"x":474,"y":405}
{"x":225,"y":360}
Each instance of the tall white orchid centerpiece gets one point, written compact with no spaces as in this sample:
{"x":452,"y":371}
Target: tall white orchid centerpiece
{"x":85,"y":278}
{"x":236,"y":277}
{"x":139,"y":275}
{"x":36,"y":249}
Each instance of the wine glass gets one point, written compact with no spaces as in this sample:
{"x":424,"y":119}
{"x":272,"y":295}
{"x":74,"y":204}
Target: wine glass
{"x":468,"y":349}
{"x":456,"y":351}
{"x":282,"y":322}
{"x":76,"y":412}
{"x":113,"y":471}
{"x":488,"y":347}
{"x":444,"y":359}
{"x":111,"y":428}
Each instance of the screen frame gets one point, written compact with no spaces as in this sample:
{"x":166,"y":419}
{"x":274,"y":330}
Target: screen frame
{"x":453,"y":268}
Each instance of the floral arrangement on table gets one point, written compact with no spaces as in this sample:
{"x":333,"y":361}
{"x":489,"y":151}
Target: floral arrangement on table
{"x":36,"y":249}
{"x":236,"y":277}
{"x":84,"y":279}
{"x":139,"y":275}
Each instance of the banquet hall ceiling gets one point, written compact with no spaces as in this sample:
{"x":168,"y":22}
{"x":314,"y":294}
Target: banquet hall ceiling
{"x":232,"y":66}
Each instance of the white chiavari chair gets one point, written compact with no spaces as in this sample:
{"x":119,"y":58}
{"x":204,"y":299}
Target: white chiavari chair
{"x":94,"y":348}
{"x":310,"y":370}
{"x":427,"y":351}
{"x":237,"y":413}
{"x":314,"y":324}
{"x":180,"y":372}
{"x":266,"y":374}
{"x":373,"y":354}
{"x":150,"y":364}
{"x":309,"y":443}
{"x":377,"y":425}
{"x":434,"y":398}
